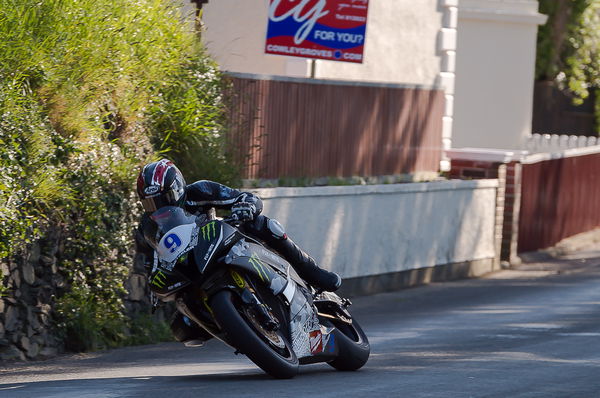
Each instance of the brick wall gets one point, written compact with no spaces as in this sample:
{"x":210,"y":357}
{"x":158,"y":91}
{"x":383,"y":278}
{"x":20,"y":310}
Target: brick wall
{"x":512,"y":204}
{"x":473,"y":169}
{"x":507,"y":200}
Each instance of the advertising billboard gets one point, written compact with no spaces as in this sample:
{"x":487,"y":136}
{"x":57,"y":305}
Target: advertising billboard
{"x":322,"y":29}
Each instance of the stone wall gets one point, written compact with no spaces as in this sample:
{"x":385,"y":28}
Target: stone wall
{"x":33,"y":279}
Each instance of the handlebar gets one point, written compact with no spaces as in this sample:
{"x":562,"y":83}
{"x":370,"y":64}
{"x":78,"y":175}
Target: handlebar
{"x":232,"y":220}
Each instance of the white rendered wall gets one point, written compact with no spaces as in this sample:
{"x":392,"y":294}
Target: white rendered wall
{"x":402,"y":42}
{"x":234,"y":34}
{"x":495,"y":66}
{"x":375,"y":229}
{"x":401,"y":45}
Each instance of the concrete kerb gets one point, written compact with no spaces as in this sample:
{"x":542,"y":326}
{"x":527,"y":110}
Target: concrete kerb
{"x":583,"y":245}
{"x":569,"y":255}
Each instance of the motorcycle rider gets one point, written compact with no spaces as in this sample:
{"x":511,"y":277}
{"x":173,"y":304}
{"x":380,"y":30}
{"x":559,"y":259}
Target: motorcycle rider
{"x":161,"y":184}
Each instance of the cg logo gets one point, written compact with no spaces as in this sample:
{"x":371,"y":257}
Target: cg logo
{"x":172,"y":242}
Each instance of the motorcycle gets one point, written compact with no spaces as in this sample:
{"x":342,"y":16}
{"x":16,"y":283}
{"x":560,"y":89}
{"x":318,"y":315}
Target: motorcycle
{"x":249,"y":297}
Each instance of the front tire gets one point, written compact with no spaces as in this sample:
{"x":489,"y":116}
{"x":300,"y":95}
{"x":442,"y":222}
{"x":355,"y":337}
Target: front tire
{"x":274,"y":357}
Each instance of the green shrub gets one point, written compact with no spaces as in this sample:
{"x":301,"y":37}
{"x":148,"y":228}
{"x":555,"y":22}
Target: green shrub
{"x":3,"y":288}
{"x":89,"y":322}
{"x":89,"y":91}
{"x":144,"y":329}
{"x":188,"y":123}
{"x":32,"y":180}
{"x":568,"y":49}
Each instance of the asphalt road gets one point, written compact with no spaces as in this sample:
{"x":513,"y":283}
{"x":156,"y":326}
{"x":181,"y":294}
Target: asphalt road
{"x":530,"y":332}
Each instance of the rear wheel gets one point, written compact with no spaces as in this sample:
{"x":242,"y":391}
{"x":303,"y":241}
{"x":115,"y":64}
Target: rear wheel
{"x":354,"y":348}
{"x":270,"y":350}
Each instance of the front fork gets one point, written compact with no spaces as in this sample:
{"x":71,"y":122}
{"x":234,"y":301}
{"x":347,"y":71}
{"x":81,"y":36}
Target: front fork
{"x":195,"y":303}
{"x":247,"y":293}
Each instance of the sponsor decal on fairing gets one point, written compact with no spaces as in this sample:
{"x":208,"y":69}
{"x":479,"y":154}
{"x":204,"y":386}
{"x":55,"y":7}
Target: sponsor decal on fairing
{"x":316,"y":342}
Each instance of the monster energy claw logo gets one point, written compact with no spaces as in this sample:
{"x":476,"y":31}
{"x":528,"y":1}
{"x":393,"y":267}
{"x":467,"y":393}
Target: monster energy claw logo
{"x":209,"y":231}
{"x":259,"y":267}
{"x":159,"y":280}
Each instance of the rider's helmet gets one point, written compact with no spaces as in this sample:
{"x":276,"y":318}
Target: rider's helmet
{"x":160,"y":184}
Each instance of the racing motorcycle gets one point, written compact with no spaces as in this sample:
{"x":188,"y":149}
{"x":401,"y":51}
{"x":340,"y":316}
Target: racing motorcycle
{"x":249,"y":297}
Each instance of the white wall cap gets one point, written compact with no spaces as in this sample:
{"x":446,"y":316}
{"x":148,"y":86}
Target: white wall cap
{"x":567,"y":153}
{"x":449,"y":3}
{"x":447,"y":185}
{"x":521,"y":6}
{"x":497,"y":15}
{"x":486,"y":155}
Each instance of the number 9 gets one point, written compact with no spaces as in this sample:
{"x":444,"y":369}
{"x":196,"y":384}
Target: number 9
{"x":172,"y":242}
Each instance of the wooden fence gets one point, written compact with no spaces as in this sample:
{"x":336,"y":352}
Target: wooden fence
{"x":559,"y":198}
{"x":314,"y":128}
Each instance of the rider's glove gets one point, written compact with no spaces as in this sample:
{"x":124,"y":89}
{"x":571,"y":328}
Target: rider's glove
{"x":243,"y":211}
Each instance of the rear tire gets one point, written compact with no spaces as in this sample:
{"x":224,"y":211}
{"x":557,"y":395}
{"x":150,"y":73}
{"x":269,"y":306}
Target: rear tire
{"x":278,"y":361}
{"x":354,"y":348}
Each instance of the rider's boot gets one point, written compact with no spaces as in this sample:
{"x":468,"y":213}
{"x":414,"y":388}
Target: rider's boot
{"x":306,"y":266}
{"x":272,"y":232}
{"x":187,"y":332}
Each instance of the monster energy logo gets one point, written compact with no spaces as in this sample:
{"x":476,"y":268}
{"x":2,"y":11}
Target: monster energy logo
{"x":159,"y":280}
{"x":259,"y":267}
{"x":209,"y":231}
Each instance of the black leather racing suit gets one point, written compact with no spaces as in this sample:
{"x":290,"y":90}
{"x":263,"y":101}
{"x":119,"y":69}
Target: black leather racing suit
{"x":204,"y":194}
{"x":199,"y":197}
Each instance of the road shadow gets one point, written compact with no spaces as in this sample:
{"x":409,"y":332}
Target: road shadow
{"x":223,"y":383}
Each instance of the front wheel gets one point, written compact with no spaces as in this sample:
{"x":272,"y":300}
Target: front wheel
{"x":270,"y":350}
{"x":353,"y":345}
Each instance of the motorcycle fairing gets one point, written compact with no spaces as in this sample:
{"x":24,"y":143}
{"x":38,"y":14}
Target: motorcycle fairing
{"x":176,"y":242}
{"x":213,"y":237}
{"x":263,"y":263}
{"x":308,"y":337}
{"x":258,"y":261}
{"x":164,"y":282}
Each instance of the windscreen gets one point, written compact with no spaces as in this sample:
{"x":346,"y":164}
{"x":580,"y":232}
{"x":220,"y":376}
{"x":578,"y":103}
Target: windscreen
{"x":177,"y":232}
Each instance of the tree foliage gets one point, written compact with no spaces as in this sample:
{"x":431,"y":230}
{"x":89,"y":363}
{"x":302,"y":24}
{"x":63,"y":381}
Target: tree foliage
{"x":569,"y":47}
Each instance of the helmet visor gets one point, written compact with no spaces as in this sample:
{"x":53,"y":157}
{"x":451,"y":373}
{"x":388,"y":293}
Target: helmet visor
{"x":154,"y":203}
